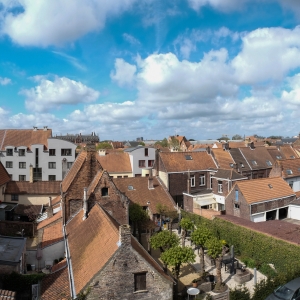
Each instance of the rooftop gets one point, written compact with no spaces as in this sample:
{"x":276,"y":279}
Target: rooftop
{"x":11,"y":249}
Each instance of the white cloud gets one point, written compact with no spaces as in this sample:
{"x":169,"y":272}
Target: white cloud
{"x":131,"y":39}
{"x":5,"y":81}
{"x":268,"y":54}
{"x":292,"y":94}
{"x":44,"y":23}
{"x":223,"y":5}
{"x":50,"y":94}
{"x":124,"y":73}
{"x":72,"y":60}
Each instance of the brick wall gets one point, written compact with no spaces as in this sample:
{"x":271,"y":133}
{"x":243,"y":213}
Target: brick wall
{"x":276,"y":171}
{"x":116,"y":280}
{"x":225,"y":186}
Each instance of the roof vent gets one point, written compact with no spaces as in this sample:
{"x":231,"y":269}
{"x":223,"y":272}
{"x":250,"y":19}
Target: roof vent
{"x":289,"y":172}
{"x":270,"y":186}
{"x":188,"y":157}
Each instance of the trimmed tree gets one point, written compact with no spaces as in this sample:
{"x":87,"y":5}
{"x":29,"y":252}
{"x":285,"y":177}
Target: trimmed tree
{"x":186,"y":224}
{"x":164,"y":240}
{"x":171,"y":215}
{"x":176,"y":256}
{"x":200,"y":236}
{"x":137,"y":216}
{"x":216,"y":249}
{"x":161,"y":209}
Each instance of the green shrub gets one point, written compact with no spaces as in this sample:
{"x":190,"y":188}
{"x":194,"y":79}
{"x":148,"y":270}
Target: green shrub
{"x":239,"y":294}
{"x":267,"y":270}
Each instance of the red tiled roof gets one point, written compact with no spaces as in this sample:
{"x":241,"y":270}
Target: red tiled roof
{"x":48,"y":221}
{"x":7,"y":295}
{"x":37,"y":187}
{"x":96,"y":245}
{"x":177,"y":162}
{"x":74,"y":170}
{"x":52,"y":235}
{"x":24,"y":137}
{"x":59,"y":266}
{"x":115,"y":162}
{"x":56,"y":200}
{"x":56,"y":286}
{"x":4,"y":176}
{"x":259,"y":190}
{"x":288,"y":151}
{"x":141,"y":194}
{"x":223,"y":158}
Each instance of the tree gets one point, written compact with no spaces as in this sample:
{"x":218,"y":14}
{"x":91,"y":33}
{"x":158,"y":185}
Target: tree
{"x":137,"y":215}
{"x":161,"y":209}
{"x":223,"y":138}
{"x":163,"y":143}
{"x":104,"y":145}
{"x":142,"y":143}
{"x":149,"y":227}
{"x":171,"y":214}
{"x":237,"y":137}
{"x":216,"y":249}
{"x":174,"y":143}
{"x":200,"y":236}
{"x":186,"y":224}
{"x":164,"y":240}
{"x":176,"y":256}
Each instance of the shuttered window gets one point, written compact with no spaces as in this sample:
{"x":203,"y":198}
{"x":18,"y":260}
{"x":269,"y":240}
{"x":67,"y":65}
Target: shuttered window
{"x":140,"y":282}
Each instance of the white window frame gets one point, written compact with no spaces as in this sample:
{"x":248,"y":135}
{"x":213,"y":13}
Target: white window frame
{"x":202,"y":179}
{"x":220,"y":186}
{"x":22,"y":165}
{"x":193,"y":181}
{"x":51,"y":165}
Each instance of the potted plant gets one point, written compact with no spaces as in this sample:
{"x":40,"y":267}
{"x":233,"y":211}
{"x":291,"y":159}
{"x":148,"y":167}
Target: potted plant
{"x":195,"y":283}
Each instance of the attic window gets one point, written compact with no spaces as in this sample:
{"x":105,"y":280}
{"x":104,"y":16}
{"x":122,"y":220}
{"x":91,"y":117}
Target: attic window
{"x":254,"y":163}
{"x":231,"y":165}
{"x":279,"y":157}
{"x":242,"y":165}
{"x":104,"y":191}
{"x":270,"y":186}
{"x":188,"y":157}
{"x":289,"y":172}
{"x":292,"y":156}
{"x":130,"y":188}
{"x":268,"y":163}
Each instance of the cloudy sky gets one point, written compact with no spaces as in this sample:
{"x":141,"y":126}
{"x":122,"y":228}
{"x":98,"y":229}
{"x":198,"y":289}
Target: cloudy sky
{"x":151,"y":68}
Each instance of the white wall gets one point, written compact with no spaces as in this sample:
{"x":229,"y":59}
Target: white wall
{"x":44,"y":159}
{"x":258,"y":217}
{"x":30,"y":199}
{"x":220,"y":199}
{"x":294,"y":212}
{"x":54,"y":251}
{"x":296,"y":183}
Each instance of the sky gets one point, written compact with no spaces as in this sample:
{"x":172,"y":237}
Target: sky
{"x":151,"y":68}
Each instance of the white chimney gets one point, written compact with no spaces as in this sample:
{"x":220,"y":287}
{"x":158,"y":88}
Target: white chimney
{"x":85,"y":204}
{"x":45,"y":128}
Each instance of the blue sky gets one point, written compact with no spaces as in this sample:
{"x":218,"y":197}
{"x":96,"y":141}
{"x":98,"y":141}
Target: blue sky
{"x":151,"y":68}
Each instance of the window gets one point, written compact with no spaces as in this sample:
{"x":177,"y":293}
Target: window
{"x":268,"y":163}
{"x":150,"y":163}
{"x":22,"y":165}
{"x":270,"y":186}
{"x":21,"y":152}
{"x":130,"y":188}
{"x":236,"y":195}
{"x":9,"y":164}
{"x":9,"y":152}
{"x":141,"y":163}
{"x":254,"y":163}
{"x":37,"y":174}
{"x":14,"y":197}
{"x":291,"y":184}
{"x":279,"y":157}
{"x":292,"y":156}
{"x":104,"y":191}
{"x":69,"y":165}
{"x":52,"y":177}
{"x":52,"y":165}
{"x":52,"y":152}
{"x":242,"y":165}
{"x":289,"y":172}
{"x":140,"y":281}
{"x":231,"y":165}
{"x":66,"y":152}
{"x":146,"y":151}
{"x":236,"y":206}
{"x":220,"y":187}
{"x":202,"y":179}
{"x":193,"y":181}
{"x":22,"y":177}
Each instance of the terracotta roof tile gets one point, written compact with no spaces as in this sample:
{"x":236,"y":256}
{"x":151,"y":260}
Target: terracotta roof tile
{"x":62,"y":264}
{"x":52,"y":235}
{"x":260,"y":155}
{"x":7,"y":295}
{"x":56,"y":200}
{"x":288,"y":152}
{"x":237,"y":144}
{"x":177,"y":162}
{"x":258,"y":190}
{"x":141,"y":194}
{"x":74,"y":170}
{"x":55,"y":286}
{"x":239,"y":159}
{"x":48,"y":221}
{"x":223,"y":158}
{"x":115,"y":162}
{"x":290,"y":167}
{"x":33,"y":188}
{"x":24,"y":137}
{"x":275,"y":153}
{"x":97,"y":243}
{"x":228,"y":174}
{"x":28,"y":210}
{"x":4,"y":176}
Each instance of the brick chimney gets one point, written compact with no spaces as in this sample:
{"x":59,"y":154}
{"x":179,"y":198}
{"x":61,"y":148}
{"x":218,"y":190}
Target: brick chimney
{"x":124,"y":235}
{"x":150,"y":180}
{"x":85,"y":204}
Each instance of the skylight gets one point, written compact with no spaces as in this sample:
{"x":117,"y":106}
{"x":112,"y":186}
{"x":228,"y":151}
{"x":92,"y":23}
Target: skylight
{"x":130,"y":187}
{"x":268,"y":163}
{"x":292,"y":156}
{"x":254,"y":162}
{"x":242,"y":165}
{"x":188,"y":157}
{"x":231,"y":165}
{"x":289,"y":172}
{"x":279,"y":157}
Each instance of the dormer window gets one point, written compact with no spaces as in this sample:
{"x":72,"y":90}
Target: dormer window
{"x":9,"y":152}
{"x":146,"y":152}
{"x":289,"y":172}
{"x":268,"y":163}
{"x":188,"y":157}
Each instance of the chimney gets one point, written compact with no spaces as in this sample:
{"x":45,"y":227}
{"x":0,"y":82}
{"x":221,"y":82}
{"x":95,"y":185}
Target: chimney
{"x":189,"y":183}
{"x":45,"y":128}
{"x":50,"y":209}
{"x":124,"y":235}
{"x":208,"y":150}
{"x":30,"y":173}
{"x":150,"y":180}
{"x":34,"y":128}
{"x":85,"y":204}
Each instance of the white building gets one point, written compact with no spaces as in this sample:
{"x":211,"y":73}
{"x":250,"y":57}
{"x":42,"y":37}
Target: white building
{"x":141,"y":158}
{"x":33,"y":155}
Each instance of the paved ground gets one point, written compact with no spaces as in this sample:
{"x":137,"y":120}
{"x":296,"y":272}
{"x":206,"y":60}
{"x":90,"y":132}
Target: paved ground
{"x":292,"y":221}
